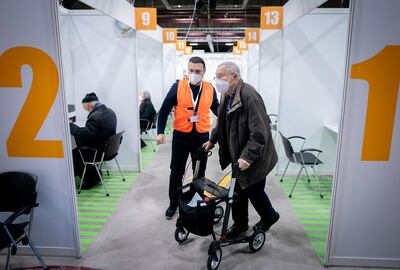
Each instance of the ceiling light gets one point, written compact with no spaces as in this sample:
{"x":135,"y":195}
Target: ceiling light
{"x":193,"y":44}
{"x":229,"y":44}
{"x":179,"y":6}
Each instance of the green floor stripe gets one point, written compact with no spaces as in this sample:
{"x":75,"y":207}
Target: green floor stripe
{"x":314,"y":222}
{"x":86,"y":240}
{"x":90,"y":226}
{"x":311,"y":210}
{"x":95,"y":214}
{"x":92,"y":219}
{"x":318,"y":243}
{"x":320,"y":229}
{"x":87,"y":233}
{"x":83,"y":249}
{"x":313,"y":217}
{"x":317,"y":235}
{"x":97,"y":208}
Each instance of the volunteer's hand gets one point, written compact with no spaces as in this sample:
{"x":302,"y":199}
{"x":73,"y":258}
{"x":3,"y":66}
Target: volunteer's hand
{"x":243,"y":164}
{"x":208,"y":145}
{"x":161,"y":139}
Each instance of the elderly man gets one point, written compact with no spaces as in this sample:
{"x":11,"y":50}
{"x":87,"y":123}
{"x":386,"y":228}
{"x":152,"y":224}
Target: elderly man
{"x":101,"y":124}
{"x":244,"y":137}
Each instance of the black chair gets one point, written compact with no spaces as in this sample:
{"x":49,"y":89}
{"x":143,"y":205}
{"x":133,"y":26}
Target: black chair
{"x":18,"y":196}
{"x":96,"y":158}
{"x":149,"y":129}
{"x":304,"y":158}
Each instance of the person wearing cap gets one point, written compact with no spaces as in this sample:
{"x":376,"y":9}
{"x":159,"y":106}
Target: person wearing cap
{"x":192,"y":100}
{"x":100,"y":125}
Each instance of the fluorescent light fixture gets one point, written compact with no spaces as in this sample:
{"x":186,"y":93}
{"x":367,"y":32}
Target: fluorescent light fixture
{"x":193,"y":44}
{"x":179,"y":6}
{"x":229,"y":44}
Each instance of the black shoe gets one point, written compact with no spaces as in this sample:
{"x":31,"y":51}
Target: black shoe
{"x":170,"y":212}
{"x":235,"y":230}
{"x":261,"y":225}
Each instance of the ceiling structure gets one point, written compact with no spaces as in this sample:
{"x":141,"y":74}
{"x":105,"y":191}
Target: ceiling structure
{"x":216,"y":23}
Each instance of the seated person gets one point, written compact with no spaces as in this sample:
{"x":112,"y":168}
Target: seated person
{"x":101,"y":124}
{"x":146,"y":112}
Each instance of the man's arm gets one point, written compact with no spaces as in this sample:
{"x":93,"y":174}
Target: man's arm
{"x":215,"y":104}
{"x":86,"y":133}
{"x":169,"y":102}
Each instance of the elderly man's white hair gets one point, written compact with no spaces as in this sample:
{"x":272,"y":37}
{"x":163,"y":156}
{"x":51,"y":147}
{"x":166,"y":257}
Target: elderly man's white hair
{"x":231,"y":67}
{"x":146,"y":94}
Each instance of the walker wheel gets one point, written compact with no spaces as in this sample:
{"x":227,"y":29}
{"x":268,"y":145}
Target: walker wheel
{"x":214,"y":259}
{"x":257,"y":240}
{"x":219,"y":213}
{"x":181,"y":234}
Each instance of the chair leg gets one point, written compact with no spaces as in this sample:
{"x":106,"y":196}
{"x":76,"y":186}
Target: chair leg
{"x":308,"y":177}
{"x":83,"y":176}
{"x":116,"y":161}
{"x":8,"y":257}
{"x":284,"y":172}
{"x":101,"y":180}
{"x":105,"y":165}
{"x":37,"y":253}
{"x":295,"y":182}
{"x":319,"y":185}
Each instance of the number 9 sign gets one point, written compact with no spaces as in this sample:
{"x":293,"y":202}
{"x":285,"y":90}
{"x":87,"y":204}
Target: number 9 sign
{"x":146,"y":18}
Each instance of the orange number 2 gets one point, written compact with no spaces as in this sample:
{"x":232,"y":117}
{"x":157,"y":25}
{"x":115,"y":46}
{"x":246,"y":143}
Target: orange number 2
{"x":382,"y":72}
{"x":21,"y":141}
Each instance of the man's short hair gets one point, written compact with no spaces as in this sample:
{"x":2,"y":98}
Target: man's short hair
{"x":231,"y":67}
{"x":197,"y":60}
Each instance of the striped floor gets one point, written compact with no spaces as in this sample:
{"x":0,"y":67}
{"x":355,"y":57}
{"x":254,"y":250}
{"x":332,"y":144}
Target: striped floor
{"x":311,"y":210}
{"x":94,"y":208}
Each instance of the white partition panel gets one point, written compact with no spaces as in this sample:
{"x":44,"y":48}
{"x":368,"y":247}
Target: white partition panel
{"x":365,"y":220}
{"x":253,"y":67}
{"x":270,"y":71}
{"x":150,"y":67}
{"x":34,"y":135}
{"x":104,"y":62}
{"x":312,"y":82}
{"x":169,"y":67}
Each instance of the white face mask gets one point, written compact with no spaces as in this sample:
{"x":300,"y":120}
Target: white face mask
{"x":222,"y":85}
{"x":195,"y":78}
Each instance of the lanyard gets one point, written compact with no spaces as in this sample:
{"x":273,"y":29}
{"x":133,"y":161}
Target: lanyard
{"x":197,"y":98}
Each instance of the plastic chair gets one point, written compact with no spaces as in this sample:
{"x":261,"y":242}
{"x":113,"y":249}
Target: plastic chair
{"x":96,"y":158}
{"x":18,"y":196}
{"x":149,"y":130}
{"x":303,"y":158}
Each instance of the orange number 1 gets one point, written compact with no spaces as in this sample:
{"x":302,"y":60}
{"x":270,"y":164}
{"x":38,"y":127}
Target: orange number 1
{"x":21,"y":141}
{"x":382,"y":71}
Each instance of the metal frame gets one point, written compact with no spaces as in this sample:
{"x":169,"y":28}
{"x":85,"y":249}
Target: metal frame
{"x":303,"y":165}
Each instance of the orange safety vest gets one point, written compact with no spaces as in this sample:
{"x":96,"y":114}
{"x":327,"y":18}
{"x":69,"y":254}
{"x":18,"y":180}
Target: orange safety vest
{"x":185,"y":107}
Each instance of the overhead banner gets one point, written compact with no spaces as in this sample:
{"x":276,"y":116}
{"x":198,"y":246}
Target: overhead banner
{"x":34,"y":134}
{"x":365,"y":220}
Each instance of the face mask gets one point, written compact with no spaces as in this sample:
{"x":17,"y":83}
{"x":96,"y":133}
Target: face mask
{"x":195,"y":78}
{"x":222,"y":85}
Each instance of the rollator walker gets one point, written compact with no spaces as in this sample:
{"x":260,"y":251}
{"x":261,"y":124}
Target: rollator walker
{"x":200,"y":209}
